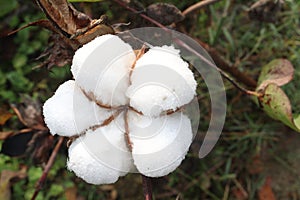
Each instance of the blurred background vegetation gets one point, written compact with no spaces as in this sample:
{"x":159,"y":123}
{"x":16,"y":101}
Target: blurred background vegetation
{"x":255,"y":158}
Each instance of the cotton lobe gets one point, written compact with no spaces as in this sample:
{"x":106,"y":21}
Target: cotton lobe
{"x":123,"y":114}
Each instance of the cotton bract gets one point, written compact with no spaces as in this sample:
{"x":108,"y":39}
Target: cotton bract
{"x":122,"y":113}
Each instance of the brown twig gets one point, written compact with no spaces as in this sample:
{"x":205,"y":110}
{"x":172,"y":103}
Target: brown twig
{"x":198,"y":6}
{"x":48,"y":166}
{"x":94,"y":127}
{"x":147,"y":187}
{"x":91,"y":97}
{"x":127,"y":137}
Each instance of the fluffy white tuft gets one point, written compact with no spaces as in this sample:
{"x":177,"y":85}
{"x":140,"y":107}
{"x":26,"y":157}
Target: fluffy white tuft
{"x":68,"y":112}
{"x":101,"y":156}
{"x":102,"y":67}
{"x":87,"y":167}
{"x":159,"y":144}
{"x":161,"y":81}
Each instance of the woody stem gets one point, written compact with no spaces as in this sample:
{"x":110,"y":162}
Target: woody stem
{"x":147,"y":187}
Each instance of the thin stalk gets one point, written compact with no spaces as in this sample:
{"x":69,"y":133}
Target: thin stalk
{"x":147,"y":187}
{"x":48,"y":166}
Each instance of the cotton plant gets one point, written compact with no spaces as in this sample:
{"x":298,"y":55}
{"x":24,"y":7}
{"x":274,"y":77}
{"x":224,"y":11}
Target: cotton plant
{"x":123,"y":110}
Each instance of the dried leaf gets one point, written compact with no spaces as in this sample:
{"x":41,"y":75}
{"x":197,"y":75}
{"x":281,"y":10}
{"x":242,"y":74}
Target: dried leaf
{"x":4,"y":116}
{"x":96,"y":28}
{"x":164,"y":13}
{"x":29,"y":113}
{"x":76,"y":26}
{"x":5,"y":181}
{"x":266,"y":192}
{"x":63,"y":16}
{"x":59,"y":53}
{"x":39,"y":146}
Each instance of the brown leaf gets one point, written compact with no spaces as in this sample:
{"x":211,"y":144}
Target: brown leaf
{"x":39,"y":146}
{"x":4,"y":116}
{"x":164,"y":13}
{"x":59,"y":53}
{"x":63,"y":16}
{"x":266,"y":192}
{"x":96,"y":28}
{"x":76,"y":26}
{"x":5,"y":181}
{"x":29,"y":113}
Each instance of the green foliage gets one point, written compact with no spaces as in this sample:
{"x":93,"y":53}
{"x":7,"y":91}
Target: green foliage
{"x":7,"y":7}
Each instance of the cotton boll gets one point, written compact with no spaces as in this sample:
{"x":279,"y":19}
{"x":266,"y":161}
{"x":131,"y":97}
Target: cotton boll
{"x":104,"y":69}
{"x":101,"y":156}
{"x":82,"y":53}
{"x":68,"y":112}
{"x":87,"y":167}
{"x":159,"y":144}
{"x":161,"y":80}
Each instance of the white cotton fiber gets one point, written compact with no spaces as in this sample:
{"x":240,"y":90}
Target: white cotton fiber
{"x":161,"y":80}
{"x":159,"y":144}
{"x":68,"y":112}
{"x":82,"y":53}
{"x":85,"y":166}
{"x":102,"y":67}
{"x":101,"y":156}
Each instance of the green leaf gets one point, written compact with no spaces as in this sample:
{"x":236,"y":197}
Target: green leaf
{"x":277,"y":105}
{"x":19,"y":81}
{"x":19,"y":61}
{"x":272,"y":98}
{"x":55,"y":190}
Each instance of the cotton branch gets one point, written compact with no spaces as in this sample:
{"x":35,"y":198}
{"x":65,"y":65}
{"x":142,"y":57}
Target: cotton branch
{"x":48,"y":166}
{"x":147,"y":187}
